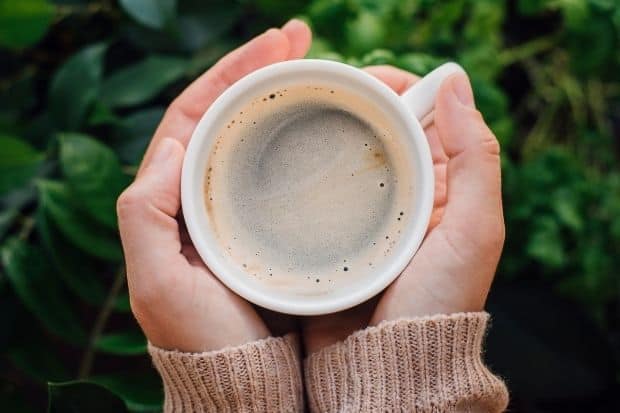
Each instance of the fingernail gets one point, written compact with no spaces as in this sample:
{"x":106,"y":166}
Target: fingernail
{"x":462,"y":89}
{"x":291,"y":23}
{"x":163,"y":151}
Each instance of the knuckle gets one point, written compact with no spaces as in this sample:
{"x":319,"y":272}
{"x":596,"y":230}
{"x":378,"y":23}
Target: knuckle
{"x":172,"y":109}
{"x":491,"y":144}
{"x":131,"y":200}
{"x":166,"y":201}
{"x":177,"y":111}
{"x":478,"y":115}
{"x":489,"y":141}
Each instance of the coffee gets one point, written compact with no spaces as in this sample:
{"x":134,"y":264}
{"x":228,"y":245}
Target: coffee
{"x":307,"y":188}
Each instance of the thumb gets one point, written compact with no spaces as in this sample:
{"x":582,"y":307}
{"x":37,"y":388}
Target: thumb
{"x":147,"y":212}
{"x":474,"y":207}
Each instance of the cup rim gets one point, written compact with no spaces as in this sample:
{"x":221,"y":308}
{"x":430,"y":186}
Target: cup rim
{"x":402,"y":254}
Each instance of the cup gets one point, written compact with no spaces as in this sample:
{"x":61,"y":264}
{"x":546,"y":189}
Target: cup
{"x":407,"y":113}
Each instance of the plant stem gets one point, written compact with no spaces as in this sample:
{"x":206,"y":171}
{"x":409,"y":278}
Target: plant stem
{"x":64,"y":10}
{"x":102,"y":318}
{"x":131,"y":170}
{"x":27,"y":227}
{"x":527,"y":50}
{"x":540,"y":134}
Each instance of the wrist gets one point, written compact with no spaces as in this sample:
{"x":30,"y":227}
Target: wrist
{"x":200,"y":335}
{"x":423,"y":305}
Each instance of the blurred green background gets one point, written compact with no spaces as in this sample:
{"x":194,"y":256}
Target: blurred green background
{"x":84,"y":83}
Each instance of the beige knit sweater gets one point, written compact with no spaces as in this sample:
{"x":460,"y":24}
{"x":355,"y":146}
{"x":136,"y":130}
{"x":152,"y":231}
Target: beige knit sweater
{"x":429,"y":364}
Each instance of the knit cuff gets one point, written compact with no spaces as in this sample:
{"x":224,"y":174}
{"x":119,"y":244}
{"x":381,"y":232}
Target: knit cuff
{"x":428,"y":364}
{"x":261,"y":376}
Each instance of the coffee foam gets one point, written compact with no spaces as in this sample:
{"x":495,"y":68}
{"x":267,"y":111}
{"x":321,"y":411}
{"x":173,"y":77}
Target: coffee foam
{"x":307,"y":188}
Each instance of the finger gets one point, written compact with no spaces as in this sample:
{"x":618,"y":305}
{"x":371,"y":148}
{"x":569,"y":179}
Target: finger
{"x":147,"y":217}
{"x":397,"y":79}
{"x":438,"y":153}
{"x":473,"y":175}
{"x":440,"y":169}
{"x":273,"y":46}
{"x":299,"y":36}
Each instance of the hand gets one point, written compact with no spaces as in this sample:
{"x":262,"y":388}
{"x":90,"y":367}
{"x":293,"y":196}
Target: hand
{"x":455,"y":265}
{"x":177,"y":301}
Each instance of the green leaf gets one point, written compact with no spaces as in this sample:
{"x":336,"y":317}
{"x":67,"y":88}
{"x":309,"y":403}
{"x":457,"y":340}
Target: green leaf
{"x":201,"y":28}
{"x":76,"y":270}
{"x":365,"y":33}
{"x":198,"y":26}
{"x":39,"y":289}
{"x":418,"y":63}
{"x":6,"y":220}
{"x":56,"y":200}
{"x":94,"y":174}
{"x":378,"y":57}
{"x":75,"y":86}
{"x":318,"y":47}
{"x":142,"y":81}
{"x":19,"y":162}
{"x":141,"y":391}
{"x":122,"y":302}
{"x":545,"y":244}
{"x":155,"y":14}
{"x":135,"y":132}
{"x":83,"y":397}
{"x":43,"y":366}
{"x":123,"y":392}
{"x":21,"y":197}
{"x":601,"y":37}
{"x":15,"y":151}
{"x":327,"y":17}
{"x":102,"y":115}
{"x":126,"y":343}
{"x":24,"y":22}
{"x":565,"y":205}
{"x":576,"y":13}
{"x":530,"y":7}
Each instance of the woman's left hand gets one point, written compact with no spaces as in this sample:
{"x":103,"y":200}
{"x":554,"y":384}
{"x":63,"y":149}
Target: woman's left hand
{"x":176,"y":299}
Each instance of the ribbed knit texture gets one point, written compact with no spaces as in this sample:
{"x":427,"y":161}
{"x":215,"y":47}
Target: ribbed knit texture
{"x":429,"y":364}
{"x":262,"y":376}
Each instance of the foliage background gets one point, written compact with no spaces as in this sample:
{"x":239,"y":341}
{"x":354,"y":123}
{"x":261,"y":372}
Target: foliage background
{"x":84,"y":83}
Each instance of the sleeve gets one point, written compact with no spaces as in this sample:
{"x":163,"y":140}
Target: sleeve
{"x":261,"y":376}
{"x":429,"y":364}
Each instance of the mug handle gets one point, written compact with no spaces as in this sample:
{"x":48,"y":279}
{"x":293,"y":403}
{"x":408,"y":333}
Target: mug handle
{"x":420,"y":98}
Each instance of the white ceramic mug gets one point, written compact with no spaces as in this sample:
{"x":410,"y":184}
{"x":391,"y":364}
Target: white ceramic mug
{"x":406,"y":113}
